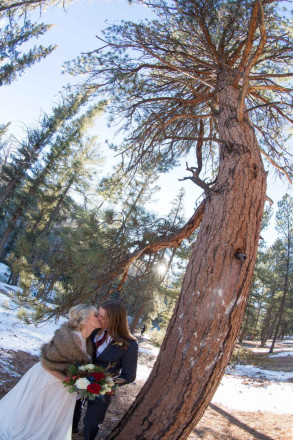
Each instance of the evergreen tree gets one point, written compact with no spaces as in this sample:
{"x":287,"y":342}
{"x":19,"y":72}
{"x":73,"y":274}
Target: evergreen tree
{"x":210,"y":78}
{"x":13,"y":61}
{"x":37,"y":139}
{"x":272,"y":293}
{"x":67,"y":142}
{"x":40,"y":251}
{"x":5,"y":146}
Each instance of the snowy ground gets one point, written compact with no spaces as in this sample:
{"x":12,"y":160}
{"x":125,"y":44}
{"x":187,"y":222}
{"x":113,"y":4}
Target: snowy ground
{"x":245,"y":388}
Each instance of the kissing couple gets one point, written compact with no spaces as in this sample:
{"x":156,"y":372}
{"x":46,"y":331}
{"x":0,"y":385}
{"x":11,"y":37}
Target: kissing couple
{"x":39,"y":407}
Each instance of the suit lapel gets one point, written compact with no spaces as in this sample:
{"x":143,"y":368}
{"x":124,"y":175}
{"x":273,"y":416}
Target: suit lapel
{"x":107,"y":349}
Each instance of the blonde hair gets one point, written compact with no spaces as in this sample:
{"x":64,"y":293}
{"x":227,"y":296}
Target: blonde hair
{"x":78,"y":315}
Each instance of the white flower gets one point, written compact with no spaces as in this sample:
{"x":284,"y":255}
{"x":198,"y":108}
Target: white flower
{"x":106,"y":388}
{"x":82,"y":383}
{"x":82,"y":368}
{"x":110,"y":381}
{"x":90,"y":366}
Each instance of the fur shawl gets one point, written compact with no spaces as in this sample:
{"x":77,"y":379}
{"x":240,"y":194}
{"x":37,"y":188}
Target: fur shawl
{"x":64,"y":349}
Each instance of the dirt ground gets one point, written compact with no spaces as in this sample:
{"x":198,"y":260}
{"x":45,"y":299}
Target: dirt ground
{"x":218,"y":422}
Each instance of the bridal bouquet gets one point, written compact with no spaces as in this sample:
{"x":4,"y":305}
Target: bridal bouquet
{"x":89,"y":381}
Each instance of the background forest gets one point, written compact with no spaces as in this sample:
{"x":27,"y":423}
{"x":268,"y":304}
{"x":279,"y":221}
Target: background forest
{"x":66,"y":225}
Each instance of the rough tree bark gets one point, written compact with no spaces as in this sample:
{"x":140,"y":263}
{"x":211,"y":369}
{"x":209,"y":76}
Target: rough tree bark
{"x":198,"y":344}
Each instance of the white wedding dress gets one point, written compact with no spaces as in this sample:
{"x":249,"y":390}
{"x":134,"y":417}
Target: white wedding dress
{"x":37,"y":408}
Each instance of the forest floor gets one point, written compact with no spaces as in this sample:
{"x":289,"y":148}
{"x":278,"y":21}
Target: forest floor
{"x":218,"y":422}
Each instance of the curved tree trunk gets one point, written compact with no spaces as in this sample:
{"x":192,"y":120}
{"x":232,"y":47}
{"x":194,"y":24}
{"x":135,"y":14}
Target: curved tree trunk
{"x":209,"y":311}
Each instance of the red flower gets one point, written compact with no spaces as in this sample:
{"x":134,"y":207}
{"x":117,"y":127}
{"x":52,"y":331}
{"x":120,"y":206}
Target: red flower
{"x":94,"y":388}
{"x":98,"y":376}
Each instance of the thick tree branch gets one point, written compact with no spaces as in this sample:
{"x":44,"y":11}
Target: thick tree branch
{"x":251,"y":62}
{"x":250,"y":35}
{"x":173,"y":240}
{"x":25,"y":3}
{"x":263,"y":38}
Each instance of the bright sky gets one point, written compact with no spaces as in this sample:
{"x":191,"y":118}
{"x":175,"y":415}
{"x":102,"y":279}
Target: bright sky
{"x":75,"y":31}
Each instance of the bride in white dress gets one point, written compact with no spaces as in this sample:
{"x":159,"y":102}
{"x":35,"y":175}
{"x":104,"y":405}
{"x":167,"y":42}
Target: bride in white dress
{"x":39,"y":407}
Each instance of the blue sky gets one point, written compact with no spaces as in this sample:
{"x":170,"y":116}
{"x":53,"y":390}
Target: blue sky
{"x":75,"y":31}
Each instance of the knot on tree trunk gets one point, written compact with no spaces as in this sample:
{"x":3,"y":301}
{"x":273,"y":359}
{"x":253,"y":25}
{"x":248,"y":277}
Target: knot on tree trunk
{"x":240,"y":255}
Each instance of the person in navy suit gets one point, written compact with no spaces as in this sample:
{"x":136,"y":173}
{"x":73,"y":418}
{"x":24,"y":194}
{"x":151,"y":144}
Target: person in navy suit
{"x":113,"y":344}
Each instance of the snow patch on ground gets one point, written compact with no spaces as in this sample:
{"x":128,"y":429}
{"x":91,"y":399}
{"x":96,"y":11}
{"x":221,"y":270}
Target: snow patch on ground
{"x":143,"y":372}
{"x":151,"y":350}
{"x":259,"y":373}
{"x":283,"y":353}
{"x":245,"y":395}
{"x":4,"y":273}
{"x":17,"y":335}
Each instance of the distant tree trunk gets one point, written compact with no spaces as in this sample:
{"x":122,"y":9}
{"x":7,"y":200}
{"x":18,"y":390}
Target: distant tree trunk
{"x":282,"y":305}
{"x":283,"y":331}
{"x":208,"y":314}
{"x":271,"y":328}
{"x":256,"y":321}
{"x":13,"y":279}
{"x":243,"y":332}
{"x":267,"y":327}
{"x":52,"y":218}
{"x":138,"y":315}
{"x":23,"y":205}
{"x":49,"y":287}
{"x":7,"y":190}
{"x":20,"y":173}
{"x":9,"y":229}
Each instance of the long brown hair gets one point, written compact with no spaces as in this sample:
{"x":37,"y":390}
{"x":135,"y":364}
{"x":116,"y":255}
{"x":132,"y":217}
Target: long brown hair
{"x":118,"y":325}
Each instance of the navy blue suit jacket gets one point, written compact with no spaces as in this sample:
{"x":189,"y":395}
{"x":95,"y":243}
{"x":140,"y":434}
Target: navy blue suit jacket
{"x":124,"y":361}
